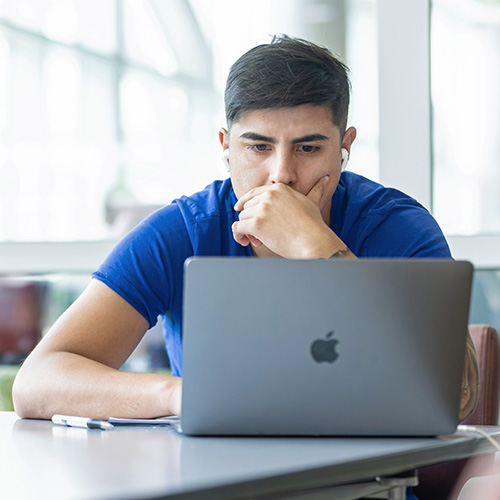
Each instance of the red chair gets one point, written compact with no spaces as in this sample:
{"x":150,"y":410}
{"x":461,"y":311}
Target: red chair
{"x":21,"y":309}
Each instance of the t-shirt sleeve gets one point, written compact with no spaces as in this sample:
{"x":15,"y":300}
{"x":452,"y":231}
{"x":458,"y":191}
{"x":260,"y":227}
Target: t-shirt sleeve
{"x":407,"y":231}
{"x":146,"y":266}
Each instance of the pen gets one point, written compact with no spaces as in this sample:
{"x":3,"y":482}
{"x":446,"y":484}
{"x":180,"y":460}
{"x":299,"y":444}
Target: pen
{"x":85,"y":423}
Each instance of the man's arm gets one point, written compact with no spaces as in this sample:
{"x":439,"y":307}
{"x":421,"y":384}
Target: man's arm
{"x":75,"y":369}
{"x":470,"y":380}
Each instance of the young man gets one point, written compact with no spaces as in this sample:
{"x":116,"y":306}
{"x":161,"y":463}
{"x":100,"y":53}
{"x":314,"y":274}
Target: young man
{"x":286,"y":144}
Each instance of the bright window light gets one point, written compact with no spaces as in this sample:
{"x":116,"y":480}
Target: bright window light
{"x":465,"y":50}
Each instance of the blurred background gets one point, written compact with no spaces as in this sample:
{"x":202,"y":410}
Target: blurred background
{"x":110,"y":109}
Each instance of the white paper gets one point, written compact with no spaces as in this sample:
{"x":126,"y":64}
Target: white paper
{"x":144,"y":421}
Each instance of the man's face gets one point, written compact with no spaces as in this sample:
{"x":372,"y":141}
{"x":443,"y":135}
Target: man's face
{"x":296,"y":146}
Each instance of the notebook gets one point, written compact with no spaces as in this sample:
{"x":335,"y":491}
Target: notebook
{"x":323,"y":347}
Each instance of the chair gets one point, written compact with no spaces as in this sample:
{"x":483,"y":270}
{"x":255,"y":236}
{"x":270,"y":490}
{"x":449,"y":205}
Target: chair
{"x":21,"y":315}
{"x":438,"y":481}
{"x":21,"y":310}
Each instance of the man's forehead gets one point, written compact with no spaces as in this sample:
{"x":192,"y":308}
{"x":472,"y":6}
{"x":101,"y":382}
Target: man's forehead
{"x":298,"y":121}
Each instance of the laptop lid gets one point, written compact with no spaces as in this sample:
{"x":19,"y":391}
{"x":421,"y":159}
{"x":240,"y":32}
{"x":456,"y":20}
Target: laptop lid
{"x":323,"y":347}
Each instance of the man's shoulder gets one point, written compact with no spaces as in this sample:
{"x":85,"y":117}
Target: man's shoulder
{"x":366,"y":197}
{"x":199,"y":224}
{"x":215,"y":200}
{"x":382,"y":221}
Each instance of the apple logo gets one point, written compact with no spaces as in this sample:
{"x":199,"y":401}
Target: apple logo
{"x":324,"y":350}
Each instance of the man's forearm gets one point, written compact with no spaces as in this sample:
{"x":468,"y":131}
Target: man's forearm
{"x":470,"y":380}
{"x":69,"y":384}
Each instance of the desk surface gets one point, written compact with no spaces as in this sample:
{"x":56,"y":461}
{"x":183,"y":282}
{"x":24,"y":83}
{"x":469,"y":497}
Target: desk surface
{"x":42,"y":460}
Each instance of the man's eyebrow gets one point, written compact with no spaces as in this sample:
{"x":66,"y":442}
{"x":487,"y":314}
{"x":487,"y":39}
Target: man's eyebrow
{"x":310,"y":138}
{"x":254,"y":136}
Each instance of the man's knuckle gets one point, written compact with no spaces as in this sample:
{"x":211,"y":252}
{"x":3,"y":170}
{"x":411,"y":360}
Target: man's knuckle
{"x":258,"y":222}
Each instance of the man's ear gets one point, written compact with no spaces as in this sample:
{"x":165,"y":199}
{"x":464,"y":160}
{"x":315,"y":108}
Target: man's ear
{"x":223,"y":138}
{"x":349,"y":136}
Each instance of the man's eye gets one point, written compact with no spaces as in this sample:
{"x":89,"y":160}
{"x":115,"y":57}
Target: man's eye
{"x":258,"y":147}
{"x":307,"y":148}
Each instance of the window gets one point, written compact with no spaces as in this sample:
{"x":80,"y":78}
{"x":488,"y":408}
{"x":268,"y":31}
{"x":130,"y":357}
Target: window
{"x":110,"y":104}
{"x":465,"y":69}
{"x":98,"y":111}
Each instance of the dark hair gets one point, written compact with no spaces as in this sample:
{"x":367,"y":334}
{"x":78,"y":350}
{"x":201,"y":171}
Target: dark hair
{"x":284,"y":73}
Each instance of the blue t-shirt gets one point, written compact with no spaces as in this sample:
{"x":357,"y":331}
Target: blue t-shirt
{"x":146,"y":267}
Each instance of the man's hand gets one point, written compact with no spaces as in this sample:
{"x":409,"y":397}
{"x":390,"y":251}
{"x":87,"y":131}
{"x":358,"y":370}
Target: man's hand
{"x":287,"y":222}
{"x":175,"y":396}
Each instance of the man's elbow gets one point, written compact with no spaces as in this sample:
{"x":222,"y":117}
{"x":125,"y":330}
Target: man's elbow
{"x":19,"y":398}
{"x":25,"y":395}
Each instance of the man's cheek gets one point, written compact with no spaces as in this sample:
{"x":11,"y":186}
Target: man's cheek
{"x":249,"y":182}
{"x":240,"y":186}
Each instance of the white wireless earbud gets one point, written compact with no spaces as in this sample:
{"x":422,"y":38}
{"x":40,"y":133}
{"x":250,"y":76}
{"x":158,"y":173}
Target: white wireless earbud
{"x":225,"y":159}
{"x":345,"y":159}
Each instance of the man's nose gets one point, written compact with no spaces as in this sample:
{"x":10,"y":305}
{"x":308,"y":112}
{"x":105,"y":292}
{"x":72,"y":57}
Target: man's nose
{"x":283,"y":169}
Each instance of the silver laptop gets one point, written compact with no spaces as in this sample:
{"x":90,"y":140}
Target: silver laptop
{"x":323,"y":347}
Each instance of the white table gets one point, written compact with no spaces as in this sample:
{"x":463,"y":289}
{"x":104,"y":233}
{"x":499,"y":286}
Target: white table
{"x":44,"y":461}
